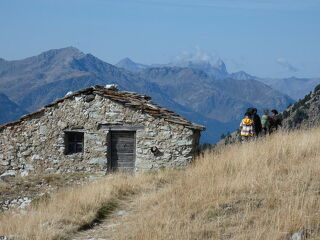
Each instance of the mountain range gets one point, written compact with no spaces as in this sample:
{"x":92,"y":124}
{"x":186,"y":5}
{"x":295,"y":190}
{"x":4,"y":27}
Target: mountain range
{"x":9,"y":110}
{"x":204,"y":93}
{"x":296,"y":88}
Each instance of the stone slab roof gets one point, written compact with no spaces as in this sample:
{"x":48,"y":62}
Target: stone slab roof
{"x":129,"y":99}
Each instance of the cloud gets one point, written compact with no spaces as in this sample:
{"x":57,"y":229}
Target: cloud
{"x":285,"y":63}
{"x":197,"y":55}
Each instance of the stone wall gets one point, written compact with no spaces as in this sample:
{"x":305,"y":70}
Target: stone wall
{"x":38,"y":142}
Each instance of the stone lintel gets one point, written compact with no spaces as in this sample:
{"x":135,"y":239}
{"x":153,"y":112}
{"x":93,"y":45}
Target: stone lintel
{"x":113,"y":127}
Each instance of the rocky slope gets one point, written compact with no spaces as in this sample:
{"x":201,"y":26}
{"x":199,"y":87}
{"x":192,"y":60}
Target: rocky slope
{"x":304,"y":113}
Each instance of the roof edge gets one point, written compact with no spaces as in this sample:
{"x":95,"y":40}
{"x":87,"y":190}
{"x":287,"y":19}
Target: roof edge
{"x":147,"y":106}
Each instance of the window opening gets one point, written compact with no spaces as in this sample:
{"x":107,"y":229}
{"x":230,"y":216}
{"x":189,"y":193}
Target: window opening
{"x":74,"y":142}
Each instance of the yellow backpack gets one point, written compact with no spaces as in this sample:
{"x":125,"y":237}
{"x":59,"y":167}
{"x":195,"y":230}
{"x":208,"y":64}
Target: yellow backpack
{"x":247,"y":121}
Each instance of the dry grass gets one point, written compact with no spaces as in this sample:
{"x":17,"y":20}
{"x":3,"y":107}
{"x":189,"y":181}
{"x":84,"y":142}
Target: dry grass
{"x":265,"y":189}
{"x":37,"y":184}
{"x":77,"y":207}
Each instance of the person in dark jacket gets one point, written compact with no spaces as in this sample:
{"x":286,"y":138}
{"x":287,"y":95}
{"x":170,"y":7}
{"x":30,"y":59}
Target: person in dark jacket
{"x":257,"y":127}
{"x":256,"y":122}
{"x":275,"y":121}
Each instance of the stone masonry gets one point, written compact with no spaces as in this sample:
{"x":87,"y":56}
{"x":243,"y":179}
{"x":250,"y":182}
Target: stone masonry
{"x":37,"y":141}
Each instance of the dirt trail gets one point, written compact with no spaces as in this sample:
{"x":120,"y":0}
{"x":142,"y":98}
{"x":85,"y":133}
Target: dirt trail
{"x":109,"y":228}
{"x":106,"y":230}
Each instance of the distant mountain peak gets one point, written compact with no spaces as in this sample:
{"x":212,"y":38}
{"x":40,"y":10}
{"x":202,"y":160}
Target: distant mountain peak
{"x":69,"y":49}
{"x":126,"y":59}
{"x":221,"y":66}
{"x":64,"y":52}
{"x":130,"y":65}
{"x":242,"y":75}
{"x":65,"y":49}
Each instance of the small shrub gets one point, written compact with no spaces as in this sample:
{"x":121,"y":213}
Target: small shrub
{"x":285,"y":114}
{"x":299,"y":117}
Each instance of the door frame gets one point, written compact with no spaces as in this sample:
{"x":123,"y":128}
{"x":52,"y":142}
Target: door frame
{"x":109,"y":148}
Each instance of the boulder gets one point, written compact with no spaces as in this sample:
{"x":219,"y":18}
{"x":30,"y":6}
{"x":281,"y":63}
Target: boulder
{"x":8,"y":174}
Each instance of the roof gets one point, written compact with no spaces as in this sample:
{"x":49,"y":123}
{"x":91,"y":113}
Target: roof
{"x":129,"y":99}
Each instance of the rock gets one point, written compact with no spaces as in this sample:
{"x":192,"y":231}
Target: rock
{"x":96,"y":115}
{"x":24,"y":173}
{"x":92,"y":136}
{"x":26,"y":153}
{"x":144,"y":165}
{"x":5,"y":163}
{"x":35,"y":157}
{"x":25,"y":203}
{"x":8,"y":174}
{"x":49,"y":170}
{"x":99,"y":149}
{"x":42,"y":130}
{"x":68,"y":93}
{"x":300,"y":235}
{"x":62,"y":124}
{"x":100,"y":161}
{"x":29,"y":167}
{"x":89,"y":98}
{"x":121,"y":212}
{"x":77,"y":99}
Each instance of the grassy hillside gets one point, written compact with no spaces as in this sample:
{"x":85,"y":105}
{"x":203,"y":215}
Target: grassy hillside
{"x":267,"y":189}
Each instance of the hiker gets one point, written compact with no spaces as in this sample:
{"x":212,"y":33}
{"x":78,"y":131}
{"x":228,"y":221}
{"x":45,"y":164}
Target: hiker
{"x":275,"y":121}
{"x":265,"y":122}
{"x":246,"y":127}
{"x":257,"y":128}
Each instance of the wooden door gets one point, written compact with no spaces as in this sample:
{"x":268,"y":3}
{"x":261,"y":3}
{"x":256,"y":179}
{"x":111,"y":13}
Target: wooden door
{"x":123,"y":150}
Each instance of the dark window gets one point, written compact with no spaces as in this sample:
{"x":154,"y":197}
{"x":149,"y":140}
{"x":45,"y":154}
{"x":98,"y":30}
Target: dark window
{"x":74,"y":142}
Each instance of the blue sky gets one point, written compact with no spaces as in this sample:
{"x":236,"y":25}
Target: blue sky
{"x":274,"y":38}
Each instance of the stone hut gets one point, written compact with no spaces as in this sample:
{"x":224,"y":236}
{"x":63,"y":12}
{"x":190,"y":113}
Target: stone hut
{"x":98,"y":129}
